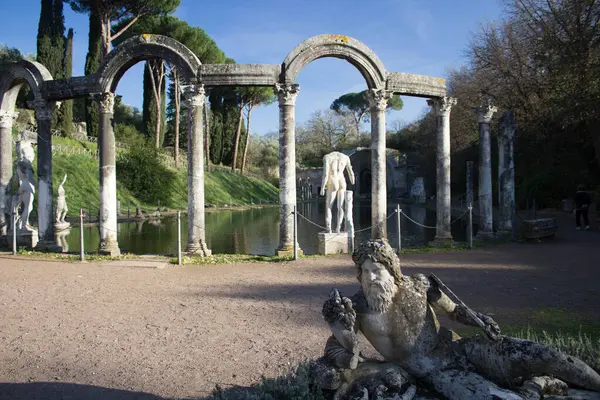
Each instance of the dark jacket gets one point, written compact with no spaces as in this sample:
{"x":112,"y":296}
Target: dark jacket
{"x":582,"y":198}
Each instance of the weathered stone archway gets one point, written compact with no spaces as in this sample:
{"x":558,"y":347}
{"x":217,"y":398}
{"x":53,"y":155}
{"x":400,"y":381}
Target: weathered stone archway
{"x":336,"y":46}
{"x":375,"y":75}
{"x":382,"y":85}
{"x":130,"y":52}
{"x":35,"y":75}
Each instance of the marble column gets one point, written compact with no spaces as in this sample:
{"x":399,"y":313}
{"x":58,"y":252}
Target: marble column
{"x":378,"y":99}
{"x":286,"y":95}
{"x":506,"y":182}
{"x":43,"y":117}
{"x":441,"y":109}
{"x":108,"y":176}
{"x":486,"y":222}
{"x":6,"y":167}
{"x":195,"y":97}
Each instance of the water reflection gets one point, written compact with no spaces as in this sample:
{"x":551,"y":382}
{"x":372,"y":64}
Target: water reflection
{"x":256,"y":230}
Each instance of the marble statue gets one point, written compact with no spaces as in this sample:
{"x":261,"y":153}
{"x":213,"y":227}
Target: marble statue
{"x":396,"y":314}
{"x":417,"y":191}
{"x":334,"y":184}
{"x":25,"y":182}
{"x":61,"y":207}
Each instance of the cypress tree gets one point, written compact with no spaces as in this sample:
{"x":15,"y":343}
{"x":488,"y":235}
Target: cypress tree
{"x":67,"y":106}
{"x":92,"y":62}
{"x":44,"y":32}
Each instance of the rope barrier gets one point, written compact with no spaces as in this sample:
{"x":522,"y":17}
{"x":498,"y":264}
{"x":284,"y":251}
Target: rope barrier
{"x":415,"y":222}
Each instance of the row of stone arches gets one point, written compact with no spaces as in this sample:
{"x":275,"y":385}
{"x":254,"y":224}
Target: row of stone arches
{"x":197,"y":79}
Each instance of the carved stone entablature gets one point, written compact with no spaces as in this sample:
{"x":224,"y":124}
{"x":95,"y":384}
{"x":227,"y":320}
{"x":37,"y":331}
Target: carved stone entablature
{"x":442,"y":105}
{"x":106,"y":101}
{"x":6,"y":119}
{"x":43,"y":109}
{"x":286,"y":94}
{"x":378,"y":98}
{"x":194,"y":95}
{"x":485,"y":113}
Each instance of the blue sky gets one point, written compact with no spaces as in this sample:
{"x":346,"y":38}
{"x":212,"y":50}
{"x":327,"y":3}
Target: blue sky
{"x":425,"y":37}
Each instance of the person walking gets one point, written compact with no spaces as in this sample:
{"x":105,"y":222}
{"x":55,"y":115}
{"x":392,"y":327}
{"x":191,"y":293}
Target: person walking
{"x":582,"y":206}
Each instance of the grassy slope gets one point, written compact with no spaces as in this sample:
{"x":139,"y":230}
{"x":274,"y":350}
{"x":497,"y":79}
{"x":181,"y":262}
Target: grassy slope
{"x":221,"y":188}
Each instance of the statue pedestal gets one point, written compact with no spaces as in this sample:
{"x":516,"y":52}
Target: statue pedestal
{"x":485,"y":235}
{"x":335,"y":243}
{"x":61,"y":226}
{"x":26,"y":238}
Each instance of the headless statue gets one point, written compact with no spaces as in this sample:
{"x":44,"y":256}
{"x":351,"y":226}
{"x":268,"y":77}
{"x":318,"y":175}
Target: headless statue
{"x":334,"y":184}
{"x":26,"y":183}
{"x":396,"y":314}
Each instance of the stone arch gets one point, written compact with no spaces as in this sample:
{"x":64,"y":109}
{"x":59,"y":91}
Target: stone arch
{"x":143,"y":47}
{"x":336,"y":46}
{"x":12,"y":79}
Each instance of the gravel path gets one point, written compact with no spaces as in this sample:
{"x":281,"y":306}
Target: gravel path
{"x":125,"y":330}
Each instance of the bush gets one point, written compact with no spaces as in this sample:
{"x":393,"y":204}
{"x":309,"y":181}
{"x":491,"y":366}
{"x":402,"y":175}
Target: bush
{"x":142,"y":173}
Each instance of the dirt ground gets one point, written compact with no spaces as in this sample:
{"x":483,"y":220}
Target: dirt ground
{"x":126,"y":330}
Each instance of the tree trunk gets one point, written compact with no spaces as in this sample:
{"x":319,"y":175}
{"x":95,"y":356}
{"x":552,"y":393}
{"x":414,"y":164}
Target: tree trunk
{"x":177,"y":110}
{"x":247,"y":139}
{"x":206,"y":136}
{"x":237,"y":138}
{"x":157,"y":91}
{"x":106,"y":39}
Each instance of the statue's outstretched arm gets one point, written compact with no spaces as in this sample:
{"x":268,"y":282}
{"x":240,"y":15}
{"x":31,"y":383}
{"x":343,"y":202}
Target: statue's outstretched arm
{"x":459,"y":312}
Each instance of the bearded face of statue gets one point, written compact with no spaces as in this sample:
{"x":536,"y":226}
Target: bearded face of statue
{"x":378,"y":285}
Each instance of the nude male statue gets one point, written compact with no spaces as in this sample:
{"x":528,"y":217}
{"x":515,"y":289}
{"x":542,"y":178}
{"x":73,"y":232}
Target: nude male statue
{"x":334,"y":183}
{"x":396,"y":315}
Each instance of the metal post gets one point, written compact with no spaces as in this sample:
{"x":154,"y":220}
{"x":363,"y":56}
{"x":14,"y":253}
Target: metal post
{"x":178,"y":237}
{"x":470,"y":227}
{"x":14,"y":231}
{"x":295,"y":235}
{"x":534,"y":209}
{"x":81,"y":244}
{"x":398,"y":215}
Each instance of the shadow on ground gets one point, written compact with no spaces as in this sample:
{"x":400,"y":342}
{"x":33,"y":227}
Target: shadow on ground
{"x":68,"y":391}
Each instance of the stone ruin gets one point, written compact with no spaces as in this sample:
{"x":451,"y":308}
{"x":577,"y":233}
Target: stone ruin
{"x":197,"y":78}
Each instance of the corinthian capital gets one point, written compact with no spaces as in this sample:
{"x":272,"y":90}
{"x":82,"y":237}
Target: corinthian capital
{"x":43,"y":109}
{"x":378,"y":98}
{"x":287,"y":93}
{"x":194,"y":95}
{"x":485,"y":113}
{"x":6,"y":119}
{"x":442,"y":105}
{"x":106,"y":101}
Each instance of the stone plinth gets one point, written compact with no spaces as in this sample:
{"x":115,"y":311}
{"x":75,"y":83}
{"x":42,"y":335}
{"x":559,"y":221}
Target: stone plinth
{"x":539,"y":228}
{"x":61,"y":226}
{"x":335,"y":243}
{"x":25,"y":238}
{"x":485,"y":235}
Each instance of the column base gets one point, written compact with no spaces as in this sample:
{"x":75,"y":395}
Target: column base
{"x":46,"y":245}
{"x":442,"y":242}
{"x":335,"y":243}
{"x":198,"y":249}
{"x":485,"y":235}
{"x":286,"y":250}
{"x":109,"y":249}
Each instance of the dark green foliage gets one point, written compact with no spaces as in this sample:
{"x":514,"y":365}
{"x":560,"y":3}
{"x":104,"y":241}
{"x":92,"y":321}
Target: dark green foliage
{"x":293,"y":386}
{"x":66,"y":109}
{"x":92,"y":62}
{"x":144,"y":175}
{"x":51,"y":45}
